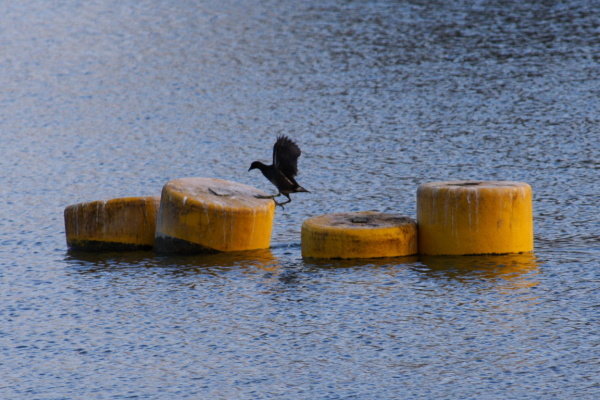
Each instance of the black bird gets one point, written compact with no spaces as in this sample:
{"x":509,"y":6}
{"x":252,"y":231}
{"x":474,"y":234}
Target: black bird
{"x":283,"y":170}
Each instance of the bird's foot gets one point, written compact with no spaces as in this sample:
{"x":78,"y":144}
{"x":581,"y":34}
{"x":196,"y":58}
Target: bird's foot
{"x":281,"y":204}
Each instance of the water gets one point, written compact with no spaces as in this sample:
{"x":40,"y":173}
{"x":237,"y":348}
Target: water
{"x":114,"y":98}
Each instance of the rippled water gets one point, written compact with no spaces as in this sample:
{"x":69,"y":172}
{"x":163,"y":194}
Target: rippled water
{"x":113,"y":98}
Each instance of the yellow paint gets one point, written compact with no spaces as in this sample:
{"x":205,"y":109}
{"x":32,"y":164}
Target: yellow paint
{"x":359,"y":235}
{"x":112,"y":224}
{"x":475,"y":217}
{"x":215,"y":214}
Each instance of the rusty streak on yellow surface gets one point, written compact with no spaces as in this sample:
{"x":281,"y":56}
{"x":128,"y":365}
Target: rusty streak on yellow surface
{"x":475,"y":217}
{"x":123,"y":221}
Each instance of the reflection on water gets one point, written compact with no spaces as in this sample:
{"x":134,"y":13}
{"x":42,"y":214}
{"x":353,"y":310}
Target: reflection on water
{"x":88,"y":262}
{"x":360,"y":263}
{"x":516,"y":270}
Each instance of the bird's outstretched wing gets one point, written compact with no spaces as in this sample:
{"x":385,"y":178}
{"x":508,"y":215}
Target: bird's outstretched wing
{"x":285,"y":156}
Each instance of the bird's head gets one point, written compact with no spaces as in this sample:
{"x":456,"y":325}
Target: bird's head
{"x":255,"y":164}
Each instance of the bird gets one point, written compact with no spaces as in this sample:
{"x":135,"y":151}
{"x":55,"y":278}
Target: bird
{"x":283,"y":170}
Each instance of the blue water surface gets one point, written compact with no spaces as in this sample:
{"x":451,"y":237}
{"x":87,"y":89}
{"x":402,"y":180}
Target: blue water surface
{"x":105,"y":99}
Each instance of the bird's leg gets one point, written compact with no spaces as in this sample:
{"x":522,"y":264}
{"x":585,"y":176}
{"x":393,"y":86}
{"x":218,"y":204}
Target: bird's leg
{"x":258,"y":196}
{"x":285,"y":202}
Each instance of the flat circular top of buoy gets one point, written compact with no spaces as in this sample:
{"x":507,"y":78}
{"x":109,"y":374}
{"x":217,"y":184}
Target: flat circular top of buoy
{"x":360,"y":220}
{"x":474,"y":184}
{"x":217,"y":191}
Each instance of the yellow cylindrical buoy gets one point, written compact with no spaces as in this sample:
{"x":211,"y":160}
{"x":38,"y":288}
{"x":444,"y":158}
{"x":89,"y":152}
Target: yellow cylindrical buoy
{"x":118,"y":224}
{"x":475,"y":217}
{"x":200,"y":215}
{"x":363,"y":234}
